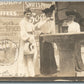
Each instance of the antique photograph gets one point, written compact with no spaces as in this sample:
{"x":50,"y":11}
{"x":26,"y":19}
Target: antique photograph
{"x":41,"y":41}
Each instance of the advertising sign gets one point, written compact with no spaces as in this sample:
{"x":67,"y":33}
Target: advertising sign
{"x":11,"y":14}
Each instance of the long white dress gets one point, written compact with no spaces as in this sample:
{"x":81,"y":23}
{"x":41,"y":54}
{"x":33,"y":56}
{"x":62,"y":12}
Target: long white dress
{"x":23,"y":68}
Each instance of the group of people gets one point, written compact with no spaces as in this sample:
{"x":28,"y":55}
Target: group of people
{"x":28,"y":48}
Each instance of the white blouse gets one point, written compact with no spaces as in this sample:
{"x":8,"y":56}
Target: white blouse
{"x":26,"y":27}
{"x":73,"y":27}
{"x":48,"y":27}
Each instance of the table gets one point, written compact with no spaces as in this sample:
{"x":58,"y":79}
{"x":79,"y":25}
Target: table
{"x":66,"y":44}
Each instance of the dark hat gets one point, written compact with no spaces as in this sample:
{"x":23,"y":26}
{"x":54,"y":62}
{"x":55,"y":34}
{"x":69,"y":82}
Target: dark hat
{"x":48,"y":10}
{"x":52,"y":7}
{"x":27,"y":10}
{"x":76,"y":14}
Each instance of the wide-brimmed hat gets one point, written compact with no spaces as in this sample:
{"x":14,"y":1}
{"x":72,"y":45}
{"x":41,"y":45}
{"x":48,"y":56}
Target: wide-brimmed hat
{"x":74,"y":13}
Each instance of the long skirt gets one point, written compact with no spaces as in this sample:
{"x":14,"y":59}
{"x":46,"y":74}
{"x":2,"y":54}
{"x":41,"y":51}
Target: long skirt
{"x":47,"y":58}
{"x":26,"y":62}
{"x":79,"y":66}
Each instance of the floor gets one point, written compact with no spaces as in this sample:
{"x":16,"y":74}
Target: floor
{"x":78,"y":74}
{"x":13,"y":69}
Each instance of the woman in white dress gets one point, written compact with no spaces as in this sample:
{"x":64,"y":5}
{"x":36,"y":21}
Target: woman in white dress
{"x":28,"y":51}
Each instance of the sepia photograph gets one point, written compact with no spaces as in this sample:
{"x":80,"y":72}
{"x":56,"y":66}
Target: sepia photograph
{"x":41,"y":41}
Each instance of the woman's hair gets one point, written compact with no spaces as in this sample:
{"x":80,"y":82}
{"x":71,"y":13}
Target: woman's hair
{"x":49,"y":10}
{"x":52,"y":7}
{"x":27,"y":10}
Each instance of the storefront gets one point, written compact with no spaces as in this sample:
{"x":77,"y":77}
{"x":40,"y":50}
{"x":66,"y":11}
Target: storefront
{"x":11,"y":14}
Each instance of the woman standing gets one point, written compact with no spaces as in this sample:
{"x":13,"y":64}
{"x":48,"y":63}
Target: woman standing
{"x":74,"y":27}
{"x":47,"y":58}
{"x":28,"y":51}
